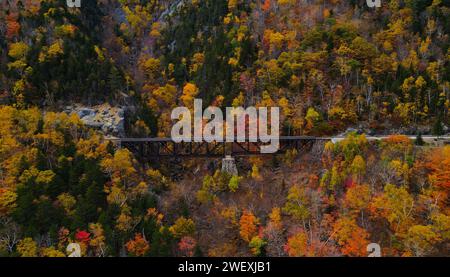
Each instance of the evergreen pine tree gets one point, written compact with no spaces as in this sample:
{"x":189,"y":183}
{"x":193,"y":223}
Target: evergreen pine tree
{"x":438,"y":129}
{"x":419,"y":140}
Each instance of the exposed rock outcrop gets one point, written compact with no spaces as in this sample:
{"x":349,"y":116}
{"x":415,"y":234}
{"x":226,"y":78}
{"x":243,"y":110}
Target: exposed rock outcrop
{"x":109,"y":120}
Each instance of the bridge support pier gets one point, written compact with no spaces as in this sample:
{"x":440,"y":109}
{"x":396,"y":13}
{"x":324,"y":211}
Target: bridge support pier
{"x":229,"y":165}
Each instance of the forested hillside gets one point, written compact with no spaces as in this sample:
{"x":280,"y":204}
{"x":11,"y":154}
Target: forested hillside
{"x":329,"y":65}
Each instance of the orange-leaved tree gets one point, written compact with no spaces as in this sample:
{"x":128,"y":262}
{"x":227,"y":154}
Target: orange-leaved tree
{"x":248,"y":226}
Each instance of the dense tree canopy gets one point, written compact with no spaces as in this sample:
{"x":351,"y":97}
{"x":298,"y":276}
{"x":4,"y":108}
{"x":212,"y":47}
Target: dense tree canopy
{"x":328,"y":65}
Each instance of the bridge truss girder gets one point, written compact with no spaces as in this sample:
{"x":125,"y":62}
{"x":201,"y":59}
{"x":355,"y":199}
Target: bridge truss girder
{"x":166,"y":148}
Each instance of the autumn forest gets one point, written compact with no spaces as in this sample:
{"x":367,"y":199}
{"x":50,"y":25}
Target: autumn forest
{"x":334,"y":67}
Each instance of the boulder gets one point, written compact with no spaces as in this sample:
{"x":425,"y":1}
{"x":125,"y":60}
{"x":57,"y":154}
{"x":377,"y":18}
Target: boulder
{"x":84,"y":112}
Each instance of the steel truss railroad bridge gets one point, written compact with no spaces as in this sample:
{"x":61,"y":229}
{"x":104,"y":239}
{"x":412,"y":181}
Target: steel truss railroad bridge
{"x":167,"y":148}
